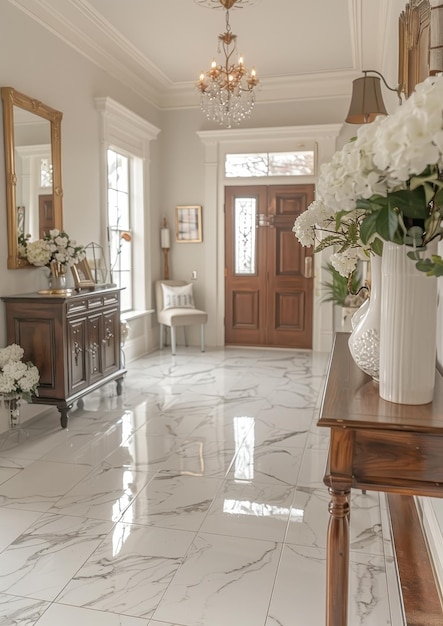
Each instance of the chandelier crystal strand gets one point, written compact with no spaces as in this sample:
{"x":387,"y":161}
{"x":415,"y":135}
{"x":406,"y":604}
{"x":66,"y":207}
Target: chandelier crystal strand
{"x":228,"y":91}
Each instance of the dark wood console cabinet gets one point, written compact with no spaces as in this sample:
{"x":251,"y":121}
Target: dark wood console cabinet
{"x":74,"y":341}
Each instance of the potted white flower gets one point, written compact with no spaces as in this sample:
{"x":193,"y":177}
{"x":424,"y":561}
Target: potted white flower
{"x":56,"y":250}
{"x":18,"y":380}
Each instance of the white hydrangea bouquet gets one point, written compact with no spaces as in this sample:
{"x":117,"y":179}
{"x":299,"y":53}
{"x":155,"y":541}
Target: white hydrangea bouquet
{"x":55,"y":246}
{"x":387,"y":184}
{"x":17,"y":377}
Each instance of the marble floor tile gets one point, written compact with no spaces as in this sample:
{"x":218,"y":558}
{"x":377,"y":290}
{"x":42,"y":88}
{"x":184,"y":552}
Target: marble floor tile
{"x":274,"y":463}
{"x":21,"y":611}
{"x":43,"y":559}
{"x":310,"y":517}
{"x":13,"y":523}
{"x":190,"y":456}
{"x":62,"y":615}
{"x":300,"y":589}
{"x":87,"y":448}
{"x":251,"y":510}
{"x":104,"y":494}
{"x":173,"y":501}
{"x":195,"y":498}
{"x":130,"y":571}
{"x":312,"y":468}
{"x":223,"y":580}
{"x":39,"y":485}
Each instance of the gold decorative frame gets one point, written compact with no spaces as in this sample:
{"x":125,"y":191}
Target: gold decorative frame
{"x":82,"y":275}
{"x":188,"y":224}
{"x":414,"y":44}
{"x":11,"y":98}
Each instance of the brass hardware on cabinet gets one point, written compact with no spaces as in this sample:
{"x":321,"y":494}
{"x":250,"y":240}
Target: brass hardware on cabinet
{"x":108,"y":337}
{"x":308,"y":267}
{"x":77,"y":350}
{"x":93,"y":350}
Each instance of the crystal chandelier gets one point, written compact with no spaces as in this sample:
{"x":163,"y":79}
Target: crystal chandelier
{"x":227,"y":90}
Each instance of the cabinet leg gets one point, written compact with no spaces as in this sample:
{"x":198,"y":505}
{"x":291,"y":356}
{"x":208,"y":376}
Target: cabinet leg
{"x":337,"y":557}
{"x":80,"y":403}
{"x":119,"y":383}
{"x":64,"y":410}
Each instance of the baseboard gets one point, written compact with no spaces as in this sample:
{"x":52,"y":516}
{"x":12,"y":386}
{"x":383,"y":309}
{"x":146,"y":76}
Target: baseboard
{"x":434,"y":536}
{"x":420,"y":591}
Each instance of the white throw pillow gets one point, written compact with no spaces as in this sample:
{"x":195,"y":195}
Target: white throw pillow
{"x":178,"y":297}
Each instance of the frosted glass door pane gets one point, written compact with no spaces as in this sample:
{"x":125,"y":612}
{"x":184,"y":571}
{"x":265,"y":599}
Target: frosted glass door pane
{"x":245,"y":218}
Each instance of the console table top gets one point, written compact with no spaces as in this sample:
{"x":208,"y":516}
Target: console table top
{"x":351,"y":399}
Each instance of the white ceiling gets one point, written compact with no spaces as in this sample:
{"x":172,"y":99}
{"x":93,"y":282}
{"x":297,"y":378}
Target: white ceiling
{"x":300,"y":48}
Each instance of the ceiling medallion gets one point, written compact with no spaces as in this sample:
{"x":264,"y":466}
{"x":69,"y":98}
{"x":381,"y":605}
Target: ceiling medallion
{"x":218,"y":4}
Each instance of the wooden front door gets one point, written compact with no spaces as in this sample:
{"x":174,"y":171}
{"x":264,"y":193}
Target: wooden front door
{"x":45,"y":214}
{"x":269,"y":278}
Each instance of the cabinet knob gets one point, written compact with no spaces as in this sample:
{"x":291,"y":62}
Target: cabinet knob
{"x":108,"y":336}
{"x":77,"y":351}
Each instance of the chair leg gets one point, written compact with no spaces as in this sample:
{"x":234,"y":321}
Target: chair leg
{"x":161,"y":336}
{"x":202,"y":336}
{"x":173,"y":340}
{"x":186,"y":336}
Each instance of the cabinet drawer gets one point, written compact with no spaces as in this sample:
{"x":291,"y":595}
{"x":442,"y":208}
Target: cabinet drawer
{"x":75,"y":306}
{"x":95,"y":302}
{"x":111,"y":298}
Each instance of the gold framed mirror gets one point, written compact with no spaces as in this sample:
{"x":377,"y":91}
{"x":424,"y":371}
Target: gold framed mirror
{"x":34,"y":194}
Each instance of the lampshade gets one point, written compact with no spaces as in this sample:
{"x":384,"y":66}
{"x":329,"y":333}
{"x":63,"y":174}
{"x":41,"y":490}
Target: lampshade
{"x":366,"y":101}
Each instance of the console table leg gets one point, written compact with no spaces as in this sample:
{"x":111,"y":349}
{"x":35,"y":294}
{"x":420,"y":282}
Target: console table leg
{"x":63,"y":410}
{"x":337,"y":557}
{"x":119,"y":383}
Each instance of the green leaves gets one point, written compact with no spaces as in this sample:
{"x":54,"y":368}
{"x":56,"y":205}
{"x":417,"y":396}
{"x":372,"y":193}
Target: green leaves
{"x":385,"y":223}
{"x":432,"y":266}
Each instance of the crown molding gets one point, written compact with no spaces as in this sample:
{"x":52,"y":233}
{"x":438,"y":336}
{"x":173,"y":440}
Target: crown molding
{"x":273,"y":89}
{"x":82,"y":28}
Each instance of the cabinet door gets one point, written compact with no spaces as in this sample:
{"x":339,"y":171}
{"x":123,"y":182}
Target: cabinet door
{"x":111,"y":341}
{"x":77,"y":378}
{"x":95,"y":357}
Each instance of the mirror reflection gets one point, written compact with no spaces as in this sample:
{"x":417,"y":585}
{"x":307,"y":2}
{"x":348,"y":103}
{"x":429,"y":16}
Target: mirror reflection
{"x":33,"y":169}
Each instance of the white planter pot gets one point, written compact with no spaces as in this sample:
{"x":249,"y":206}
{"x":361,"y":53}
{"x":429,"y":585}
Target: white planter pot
{"x":408,"y":328}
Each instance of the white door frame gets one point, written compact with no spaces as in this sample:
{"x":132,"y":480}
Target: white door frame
{"x":217,"y":144}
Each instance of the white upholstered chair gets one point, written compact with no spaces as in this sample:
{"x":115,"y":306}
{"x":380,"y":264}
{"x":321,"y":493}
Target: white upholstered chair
{"x":175,"y":307}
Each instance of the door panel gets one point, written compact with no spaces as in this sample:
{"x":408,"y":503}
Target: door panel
{"x":268,"y":295}
{"x":246,"y":265}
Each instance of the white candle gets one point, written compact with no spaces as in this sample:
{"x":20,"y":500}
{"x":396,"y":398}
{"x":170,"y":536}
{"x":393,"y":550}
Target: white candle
{"x":164,"y":236}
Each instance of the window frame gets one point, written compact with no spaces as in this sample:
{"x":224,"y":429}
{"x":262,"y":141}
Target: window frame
{"x":127,"y":133}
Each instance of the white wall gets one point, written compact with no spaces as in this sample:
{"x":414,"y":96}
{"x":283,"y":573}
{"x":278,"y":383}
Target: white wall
{"x":37,"y":63}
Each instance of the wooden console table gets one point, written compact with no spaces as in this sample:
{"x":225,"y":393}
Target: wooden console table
{"x":375,"y":445}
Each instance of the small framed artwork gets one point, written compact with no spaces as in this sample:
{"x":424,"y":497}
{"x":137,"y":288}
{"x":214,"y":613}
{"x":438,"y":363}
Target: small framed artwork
{"x":82,"y":275}
{"x":188,"y":224}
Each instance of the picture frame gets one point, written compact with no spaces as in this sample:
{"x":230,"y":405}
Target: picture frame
{"x":82,"y":275}
{"x":188,"y":224}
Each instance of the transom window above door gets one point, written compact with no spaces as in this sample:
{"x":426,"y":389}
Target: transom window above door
{"x":263,"y":164}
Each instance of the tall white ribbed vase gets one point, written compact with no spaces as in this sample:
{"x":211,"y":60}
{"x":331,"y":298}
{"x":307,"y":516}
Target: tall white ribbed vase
{"x":408,"y":328}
